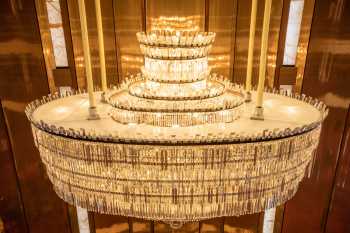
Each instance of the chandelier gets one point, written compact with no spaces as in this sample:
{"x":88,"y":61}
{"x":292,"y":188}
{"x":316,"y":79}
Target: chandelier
{"x":176,"y":143}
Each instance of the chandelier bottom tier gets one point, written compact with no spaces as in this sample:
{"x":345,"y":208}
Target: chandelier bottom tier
{"x":176,"y":173}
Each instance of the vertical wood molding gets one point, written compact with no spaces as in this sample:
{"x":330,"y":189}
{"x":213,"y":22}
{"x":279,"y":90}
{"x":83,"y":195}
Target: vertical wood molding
{"x":144,"y":15}
{"x":303,"y":45}
{"x":206,"y":15}
{"x":69,"y":42}
{"x":281,"y":41}
{"x":233,"y":40}
{"x":74,"y":22}
{"x":46,"y":42}
{"x":116,"y":42}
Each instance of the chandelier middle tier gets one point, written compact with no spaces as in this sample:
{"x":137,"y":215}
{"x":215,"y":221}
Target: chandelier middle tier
{"x":175,"y":87}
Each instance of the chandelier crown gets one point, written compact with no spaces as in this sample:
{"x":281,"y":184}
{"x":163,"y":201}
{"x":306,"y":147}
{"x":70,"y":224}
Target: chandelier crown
{"x":175,"y":45}
{"x":167,"y":38}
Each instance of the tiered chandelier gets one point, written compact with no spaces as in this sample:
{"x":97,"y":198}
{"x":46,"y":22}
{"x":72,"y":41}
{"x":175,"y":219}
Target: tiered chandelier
{"x":176,"y":143}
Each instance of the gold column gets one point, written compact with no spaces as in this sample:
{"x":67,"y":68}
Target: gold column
{"x":251,"y":45}
{"x":263,"y":56}
{"x":87,"y":58}
{"x":101,"y":47}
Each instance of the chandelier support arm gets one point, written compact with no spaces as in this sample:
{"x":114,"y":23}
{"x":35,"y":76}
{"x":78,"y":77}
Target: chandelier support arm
{"x":87,"y":59}
{"x":258,"y":113}
{"x":101,"y":46}
{"x":248,"y":85}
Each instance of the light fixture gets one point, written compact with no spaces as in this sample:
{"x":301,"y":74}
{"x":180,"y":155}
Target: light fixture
{"x":174,"y":143}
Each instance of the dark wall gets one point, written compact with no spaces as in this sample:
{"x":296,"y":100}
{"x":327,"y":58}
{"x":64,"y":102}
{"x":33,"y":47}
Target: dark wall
{"x":323,"y":201}
{"x":28,"y":203}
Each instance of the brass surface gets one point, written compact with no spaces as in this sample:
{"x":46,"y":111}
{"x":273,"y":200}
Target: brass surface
{"x":281,"y":45}
{"x":222,"y":21}
{"x":303,"y":44}
{"x":140,"y":225}
{"x":109,"y":42}
{"x":180,"y":14}
{"x":69,"y":45}
{"x":77,"y":43}
{"x":275,"y":24}
{"x":128,"y":21}
{"x":111,"y":224}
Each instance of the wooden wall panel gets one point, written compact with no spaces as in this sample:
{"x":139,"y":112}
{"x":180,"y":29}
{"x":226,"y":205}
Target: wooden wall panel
{"x":11,"y":205}
{"x":212,"y":225}
{"x":24,"y":78}
{"x":339,"y":206}
{"x":326,"y":77}
{"x":242,"y":224}
{"x":140,"y":225}
{"x":111,"y":224}
{"x":303,"y":44}
{"x":107,"y":9}
{"x":339,"y":209}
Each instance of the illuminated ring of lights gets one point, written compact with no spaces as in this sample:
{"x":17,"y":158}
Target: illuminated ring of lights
{"x":200,"y":95}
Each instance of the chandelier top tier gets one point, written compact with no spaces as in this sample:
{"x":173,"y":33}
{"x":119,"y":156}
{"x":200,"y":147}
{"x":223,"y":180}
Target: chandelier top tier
{"x":167,"y":45}
{"x":176,"y":143}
